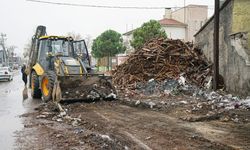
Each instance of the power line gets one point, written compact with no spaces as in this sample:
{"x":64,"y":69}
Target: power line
{"x":96,"y":6}
{"x":102,"y":6}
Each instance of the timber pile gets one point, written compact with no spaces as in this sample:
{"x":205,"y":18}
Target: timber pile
{"x":162,"y":59}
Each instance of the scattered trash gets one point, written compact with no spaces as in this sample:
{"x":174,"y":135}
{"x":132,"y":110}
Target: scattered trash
{"x":112,"y":95}
{"x":105,"y":137}
{"x":62,"y":114}
{"x":137,"y":103}
{"x":59,"y":120}
{"x":59,"y":135}
{"x":78,"y":130}
{"x":246,"y":102}
{"x":209,"y":83}
{"x":76,"y":121}
{"x":236,"y":120}
{"x":126,"y":148}
{"x":151,"y":104}
{"x":182,"y":80}
{"x":41,"y":116}
{"x":183,"y":102}
{"x":46,"y":113}
{"x":148,"y":138}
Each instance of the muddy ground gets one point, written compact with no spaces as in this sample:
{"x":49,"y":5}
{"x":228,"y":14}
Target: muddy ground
{"x":125,"y":124}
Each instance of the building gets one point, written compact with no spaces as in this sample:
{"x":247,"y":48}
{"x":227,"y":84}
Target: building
{"x":127,"y":37}
{"x":173,"y":28}
{"x":181,"y":24}
{"x":194,"y":16}
{"x":234,"y":51}
{"x":185,"y":22}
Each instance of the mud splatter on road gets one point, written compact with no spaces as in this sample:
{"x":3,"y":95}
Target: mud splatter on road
{"x":112,"y":125}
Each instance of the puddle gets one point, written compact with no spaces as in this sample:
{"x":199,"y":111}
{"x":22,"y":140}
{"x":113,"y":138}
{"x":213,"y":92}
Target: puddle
{"x":11,"y":106}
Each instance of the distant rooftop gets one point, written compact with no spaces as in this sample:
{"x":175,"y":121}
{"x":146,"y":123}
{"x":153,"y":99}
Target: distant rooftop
{"x":163,"y":22}
{"x":171,"y":22}
{"x":129,"y":32}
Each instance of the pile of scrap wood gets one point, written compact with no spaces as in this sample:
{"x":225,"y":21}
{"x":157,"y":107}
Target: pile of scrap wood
{"x":162,"y":59}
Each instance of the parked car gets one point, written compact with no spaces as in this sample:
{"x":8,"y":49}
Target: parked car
{"x":6,"y":73}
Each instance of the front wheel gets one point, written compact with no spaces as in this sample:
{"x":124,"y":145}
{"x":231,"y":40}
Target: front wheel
{"x":47,"y":84}
{"x":35,"y":90}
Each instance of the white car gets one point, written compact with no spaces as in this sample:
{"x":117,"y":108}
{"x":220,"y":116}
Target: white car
{"x":6,"y":73}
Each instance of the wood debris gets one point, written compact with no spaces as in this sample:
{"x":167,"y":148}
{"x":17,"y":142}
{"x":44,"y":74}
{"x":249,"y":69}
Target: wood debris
{"x":162,"y":59}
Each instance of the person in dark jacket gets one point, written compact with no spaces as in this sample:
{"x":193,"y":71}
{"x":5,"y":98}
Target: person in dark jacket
{"x":24,"y":75}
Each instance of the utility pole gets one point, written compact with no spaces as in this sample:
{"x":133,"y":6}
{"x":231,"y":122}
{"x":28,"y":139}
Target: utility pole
{"x":2,"y":40}
{"x":184,"y":11}
{"x":184,"y":20}
{"x":216,"y":44}
{"x":2,"y":43}
{"x":11,"y":53}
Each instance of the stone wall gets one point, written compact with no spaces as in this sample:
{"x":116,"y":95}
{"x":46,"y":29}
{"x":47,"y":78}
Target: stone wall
{"x":233,"y":67}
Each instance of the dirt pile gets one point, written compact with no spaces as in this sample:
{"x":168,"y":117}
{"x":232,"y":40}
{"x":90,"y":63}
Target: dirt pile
{"x":87,"y":88}
{"x":162,"y":59}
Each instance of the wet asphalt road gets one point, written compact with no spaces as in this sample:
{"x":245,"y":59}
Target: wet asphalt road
{"x":11,"y":107}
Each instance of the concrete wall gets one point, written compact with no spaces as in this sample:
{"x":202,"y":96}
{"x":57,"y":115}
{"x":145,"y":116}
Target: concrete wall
{"x":175,"y":32}
{"x":195,"y":17}
{"x":178,"y":15}
{"x":233,"y":67}
{"x":241,"y":18}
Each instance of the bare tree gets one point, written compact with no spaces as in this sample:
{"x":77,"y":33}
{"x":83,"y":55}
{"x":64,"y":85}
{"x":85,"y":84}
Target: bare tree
{"x":75,"y":36}
{"x":27,"y":49}
{"x":88,"y":40}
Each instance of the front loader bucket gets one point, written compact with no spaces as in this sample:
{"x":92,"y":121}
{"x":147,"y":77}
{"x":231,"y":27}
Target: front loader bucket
{"x":89,"y":87}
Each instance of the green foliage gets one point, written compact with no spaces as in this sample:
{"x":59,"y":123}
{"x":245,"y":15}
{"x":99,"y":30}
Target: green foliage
{"x":109,"y":43}
{"x":147,"y":31}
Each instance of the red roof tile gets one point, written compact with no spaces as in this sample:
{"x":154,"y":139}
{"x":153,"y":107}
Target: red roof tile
{"x":171,"y":22}
{"x":164,"y":22}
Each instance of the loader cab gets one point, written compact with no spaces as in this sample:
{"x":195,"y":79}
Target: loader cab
{"x":81,"y":51}
{"x":51,"y":47}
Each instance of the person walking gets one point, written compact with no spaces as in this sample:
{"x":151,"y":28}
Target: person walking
{"x":24,"y":75}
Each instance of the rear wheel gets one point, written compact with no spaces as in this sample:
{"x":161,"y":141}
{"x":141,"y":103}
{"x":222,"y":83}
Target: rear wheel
{"x":47,"y":84}
{"x":35,"y":91}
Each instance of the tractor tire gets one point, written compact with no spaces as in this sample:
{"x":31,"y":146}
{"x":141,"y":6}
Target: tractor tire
{"x":47,"y":84}
{"x":35,"y":90}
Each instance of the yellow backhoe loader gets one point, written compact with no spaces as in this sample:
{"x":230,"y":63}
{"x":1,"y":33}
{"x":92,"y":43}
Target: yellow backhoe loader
{"x":58,"y":71}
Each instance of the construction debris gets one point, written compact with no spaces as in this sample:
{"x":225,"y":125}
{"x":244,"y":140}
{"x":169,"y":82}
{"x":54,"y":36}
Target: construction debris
{"x":161,"y":59}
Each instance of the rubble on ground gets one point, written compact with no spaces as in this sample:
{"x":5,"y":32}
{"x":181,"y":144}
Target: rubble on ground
{"x":161,"y":59}
{"x":170,"y":74}
{"x":201,"y":106}
{"x":89,"y":88}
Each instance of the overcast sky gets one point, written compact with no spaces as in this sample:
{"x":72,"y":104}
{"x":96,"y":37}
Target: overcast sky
{"x":19,"y":18}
